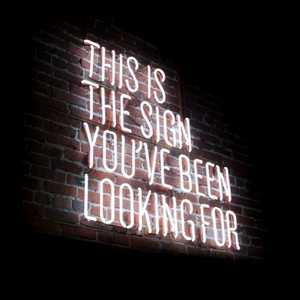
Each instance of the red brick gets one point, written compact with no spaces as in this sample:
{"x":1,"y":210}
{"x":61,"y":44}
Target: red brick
{"x":121,"y":239}
{"x":50,"y":102}
{"x":209,"y":138}
{"x":129,"y":38}
{"x":61,"y":118}
{"x":86,"y":65}
{"x":144,"y":243}
{"x":43,"y":149}
{"x":237,"y":166}
{"x":34,"y":121}
{"x":75,"y":70}
{"x":222,"y":151}
{"x":82,"y":114}
{"x":32,"y":209}
{"x":135,"y":131}
{"x":253,"y":251}
{"x":43,"y":56}
{"x":169,"y":90}
{"x":63,"y":55}
{"x":245,"y":240}
{"x":51,"y":127}
{"x":60,"y":215}
{"x":236,"y":148}
{"x":106,"y":237}
{"x":240,"y":228}
{"x":70,"y":98}
{"x":212,"y":157}
{"x":59,"y":63}
{"x":34,"y":134}
{"x":245,"y":194}
{"x":172,"y":247}
{"x":42,"y":88}
{"x":198,"y":251}
{"x":66,"y":36}
{"x":142,"y":77}
{"x":99,"y":175}
{"x":222,"y":254}
{"x":210,"y":243}
{"x":117,"y":225}
{"x":242,"y":158}
{"x":75,"y":180}
{"x":141,"y":174}
{"x":60,"y":202}
{"x":96,"y":212}
{"x":67,"y":131}
{"x":253,"y":213}
{"x":256,"y":242}
{"x":41,"y":67}
{"x":242,"y":258}
{"x":42,"y":198}
{"x":134,"y":183}
{"x":59,"y":189}
{"x":67,"y":77}
{"x":71,"y":167}
{"x":79,"y":232}
{"x":246,"y":221}
{"x":30,"y":182}
{"x":52,"y":40}
{"x":78,"y":51}
{"x":54,"y":81}
{"x":48,"y":174}
{"x":93,"y":197}
{"x":236,"y":209}
{"x":63,"y":141}
{"x":76,"y":156}
{"x":253,"y":232}
{"x":202,"y":144}
{"x":80,"y":91}
{"x":197,"y":115}
{"x":41,"y":225}
{"x":174,"y":181}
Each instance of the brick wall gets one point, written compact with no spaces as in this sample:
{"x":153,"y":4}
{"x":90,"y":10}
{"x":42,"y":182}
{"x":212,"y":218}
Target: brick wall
{"x":55,"y":146}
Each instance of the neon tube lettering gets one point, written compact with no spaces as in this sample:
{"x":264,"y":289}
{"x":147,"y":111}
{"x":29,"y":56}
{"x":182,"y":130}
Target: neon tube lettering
{"x":112,"y":200}
{"x":191,"y":223}
{"x":92,"y":143}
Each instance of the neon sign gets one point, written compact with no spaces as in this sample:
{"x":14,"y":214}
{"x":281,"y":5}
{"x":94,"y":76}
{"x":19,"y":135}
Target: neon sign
{"x":154,"y":212}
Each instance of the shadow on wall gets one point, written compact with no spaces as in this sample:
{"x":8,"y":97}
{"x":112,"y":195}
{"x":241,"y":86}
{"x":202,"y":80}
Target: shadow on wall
{"x":43,"y":254}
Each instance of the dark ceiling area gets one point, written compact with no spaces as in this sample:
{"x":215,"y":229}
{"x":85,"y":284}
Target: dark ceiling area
{"x":231,"y":52}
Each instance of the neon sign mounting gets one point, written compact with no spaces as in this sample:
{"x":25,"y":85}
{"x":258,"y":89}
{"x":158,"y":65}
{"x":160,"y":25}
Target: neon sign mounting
{"x":154,"y":212}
